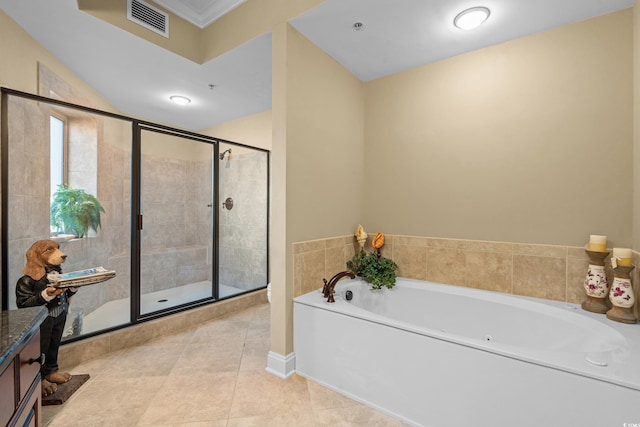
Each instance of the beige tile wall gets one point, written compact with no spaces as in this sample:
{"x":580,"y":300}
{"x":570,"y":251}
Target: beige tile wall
{"x":542,"y":271}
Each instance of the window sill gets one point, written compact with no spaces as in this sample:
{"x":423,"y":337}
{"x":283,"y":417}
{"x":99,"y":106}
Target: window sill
{"x":58,"y":238}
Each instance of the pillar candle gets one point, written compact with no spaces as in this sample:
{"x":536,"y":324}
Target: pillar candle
{"x":622,"y":256}
{"x":597,"y":243}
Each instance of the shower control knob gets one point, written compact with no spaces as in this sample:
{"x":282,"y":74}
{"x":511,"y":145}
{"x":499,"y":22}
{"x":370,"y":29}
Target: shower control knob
{"x":228,"y":204}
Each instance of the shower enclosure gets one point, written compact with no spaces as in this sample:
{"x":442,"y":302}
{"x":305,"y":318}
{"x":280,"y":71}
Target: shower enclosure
{"x":185,"y":221}
{"x":243,"y":200}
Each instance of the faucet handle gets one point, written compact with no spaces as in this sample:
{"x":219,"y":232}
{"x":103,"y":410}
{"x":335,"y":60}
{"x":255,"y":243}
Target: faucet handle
{"x":325,"y":288}
{"x":330,"y":297}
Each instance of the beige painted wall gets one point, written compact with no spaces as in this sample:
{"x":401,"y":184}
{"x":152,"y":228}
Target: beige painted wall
{"x":527,"y":141}
{"x":255,"y":130}
{"x":318,"y":145}
{"x":280,"y":251}
{"x":636,"y":130}
{"x":247,"y":21}
{"x":19,"y":65}
{"x":325,"y":143}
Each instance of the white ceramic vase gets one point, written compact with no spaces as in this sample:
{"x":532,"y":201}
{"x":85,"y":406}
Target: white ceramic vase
{"x":595,"y":283}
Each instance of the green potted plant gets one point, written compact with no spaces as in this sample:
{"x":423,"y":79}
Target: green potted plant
{"x":375,"y":269}
{"x":74,"y":211}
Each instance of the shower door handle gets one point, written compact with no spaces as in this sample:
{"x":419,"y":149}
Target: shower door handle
{"x":140,"y":222}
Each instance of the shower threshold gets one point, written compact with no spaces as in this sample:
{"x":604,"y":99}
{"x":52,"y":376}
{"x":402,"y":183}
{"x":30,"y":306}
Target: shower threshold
{"x":117,"y":312}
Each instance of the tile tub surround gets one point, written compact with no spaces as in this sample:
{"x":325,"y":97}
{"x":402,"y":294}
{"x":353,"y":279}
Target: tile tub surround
{"x":85,"y":350}
{"x":542,"y":271}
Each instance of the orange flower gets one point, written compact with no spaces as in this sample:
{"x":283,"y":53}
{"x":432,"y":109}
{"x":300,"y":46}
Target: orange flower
{"x":378,"y":240}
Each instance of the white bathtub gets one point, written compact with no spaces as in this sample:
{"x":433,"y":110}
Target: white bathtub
{"x":439,"y":355}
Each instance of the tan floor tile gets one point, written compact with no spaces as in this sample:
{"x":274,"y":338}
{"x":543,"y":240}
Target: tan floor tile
{"x":260,"y":393}
{"x":197,"y":398}
{"x":356,"y":415}
{"x":254,"y":355}
{"x":221,"y":356}
{"x":92,"y":367}
{"x":323,"y":398}
{"x":221,"y":328}
{"x":180,"y":338}
{"x":49,"y":413}
{"x":287,"y":420}
{"x":108,"y":402}
{"x":218,"y":423}
{"x":150,"y":360}
{"x":260,"y":329}
{"x":255,"y":313}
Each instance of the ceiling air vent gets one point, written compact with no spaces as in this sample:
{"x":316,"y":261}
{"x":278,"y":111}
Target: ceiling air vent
{"x":148,"y":16}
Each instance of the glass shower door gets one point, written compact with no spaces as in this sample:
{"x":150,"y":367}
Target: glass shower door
{"x":243,"y":182}
{"x":177,"y":221}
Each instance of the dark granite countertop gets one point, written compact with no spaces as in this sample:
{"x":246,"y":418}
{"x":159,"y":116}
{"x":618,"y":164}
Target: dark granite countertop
{"x":16,"y":326}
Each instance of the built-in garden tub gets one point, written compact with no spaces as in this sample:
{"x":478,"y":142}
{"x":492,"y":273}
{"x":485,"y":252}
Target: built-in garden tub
{"x":440,"y":355}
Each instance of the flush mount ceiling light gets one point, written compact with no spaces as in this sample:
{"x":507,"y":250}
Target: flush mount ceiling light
{"x":471,"y":18}
{"x":180,"y":100}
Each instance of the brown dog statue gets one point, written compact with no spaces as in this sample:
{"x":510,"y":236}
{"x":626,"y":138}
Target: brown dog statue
{"x":33,"y":289}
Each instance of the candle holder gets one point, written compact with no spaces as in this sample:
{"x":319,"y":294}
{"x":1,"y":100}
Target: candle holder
{"x":595,"y":283}
{"x":622,"y":296}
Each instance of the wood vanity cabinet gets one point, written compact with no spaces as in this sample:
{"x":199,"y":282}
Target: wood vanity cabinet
{"x":20,"y":402}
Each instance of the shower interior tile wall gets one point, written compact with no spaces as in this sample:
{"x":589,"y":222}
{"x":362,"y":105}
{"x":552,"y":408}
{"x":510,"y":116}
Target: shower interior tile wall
{"x":542,"y":271}
{"x":29,"y":203}
{"x":176,"y":198}
{"x":242,"y":229}
{"x":175,"y":248}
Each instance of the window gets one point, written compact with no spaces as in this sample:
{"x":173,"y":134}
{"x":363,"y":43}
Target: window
{"x":57,"y":156}
{"x":57,"y":140}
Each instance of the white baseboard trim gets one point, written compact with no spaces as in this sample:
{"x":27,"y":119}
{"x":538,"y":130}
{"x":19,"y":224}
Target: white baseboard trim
{"x":281,"y":366}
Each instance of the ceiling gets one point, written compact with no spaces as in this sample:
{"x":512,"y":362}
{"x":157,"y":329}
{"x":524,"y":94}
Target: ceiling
{"x":137,"y":77}
{"x":200,"y":12}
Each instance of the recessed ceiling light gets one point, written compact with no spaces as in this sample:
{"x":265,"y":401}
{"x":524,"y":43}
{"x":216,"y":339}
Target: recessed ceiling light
{"x":180,"y":100}
{"x":471,"y":18}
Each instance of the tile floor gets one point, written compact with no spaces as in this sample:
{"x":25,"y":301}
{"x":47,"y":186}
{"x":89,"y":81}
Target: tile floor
{"x":213,"y":375}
